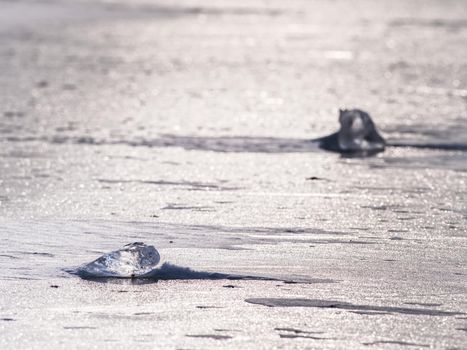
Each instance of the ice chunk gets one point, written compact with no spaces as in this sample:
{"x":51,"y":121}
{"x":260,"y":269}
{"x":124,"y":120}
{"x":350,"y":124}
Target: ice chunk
{"x":133,"y":260}
{"x":138,"y":262}
{"x":357,"y":134}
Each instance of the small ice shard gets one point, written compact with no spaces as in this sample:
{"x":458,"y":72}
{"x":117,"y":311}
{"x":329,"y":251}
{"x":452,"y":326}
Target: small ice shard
{"x":133,"y":260}
{"x":357,"y":134}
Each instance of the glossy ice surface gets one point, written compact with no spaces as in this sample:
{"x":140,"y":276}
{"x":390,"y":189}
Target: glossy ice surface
{"x":187,"y":125}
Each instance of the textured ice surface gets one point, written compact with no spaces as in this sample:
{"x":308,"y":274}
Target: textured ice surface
{"x":132,"y":260}
{"x":172,"y":124}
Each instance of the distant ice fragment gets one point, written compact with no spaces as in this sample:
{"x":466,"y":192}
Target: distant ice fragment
{"x":133,"y":260}
{"x":357,"y":134}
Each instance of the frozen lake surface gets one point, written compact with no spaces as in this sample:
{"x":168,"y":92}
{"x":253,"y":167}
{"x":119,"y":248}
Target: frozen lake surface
{"x":188,"y":126}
